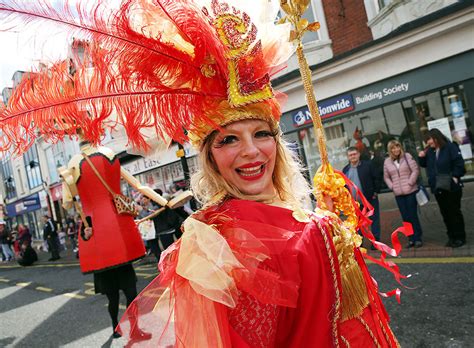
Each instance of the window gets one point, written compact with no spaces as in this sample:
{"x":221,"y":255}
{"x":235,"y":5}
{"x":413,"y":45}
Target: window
{"x":32,"y":168}
{"x":8,"y":180}
{"x":383,"y":3}
{"x":310,"y":35}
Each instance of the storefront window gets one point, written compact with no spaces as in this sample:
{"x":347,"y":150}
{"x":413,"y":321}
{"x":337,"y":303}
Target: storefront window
{"x":8,"y":180}
{"x":407,"y":121}
{"x":32,"y":167}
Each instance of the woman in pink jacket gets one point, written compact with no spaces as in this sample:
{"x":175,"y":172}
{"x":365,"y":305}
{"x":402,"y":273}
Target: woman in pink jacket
{"x":400,"y":172}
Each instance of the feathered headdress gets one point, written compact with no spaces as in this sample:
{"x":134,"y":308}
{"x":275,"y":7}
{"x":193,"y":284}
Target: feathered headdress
{"x":169,"y":65}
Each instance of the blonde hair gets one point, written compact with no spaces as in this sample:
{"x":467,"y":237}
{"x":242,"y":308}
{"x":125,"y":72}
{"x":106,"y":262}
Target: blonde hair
{"x":209,"y":186}
{"x":391,"y":144}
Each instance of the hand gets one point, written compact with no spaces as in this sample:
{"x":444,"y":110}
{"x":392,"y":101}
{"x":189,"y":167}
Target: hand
{"x":456,"y":180}
{"x":88,"y":232}
{"x":421,"y":154}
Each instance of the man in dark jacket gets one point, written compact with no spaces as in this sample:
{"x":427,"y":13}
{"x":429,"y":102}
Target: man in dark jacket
{"x":50,"y":235}
{"x":364,"y":176}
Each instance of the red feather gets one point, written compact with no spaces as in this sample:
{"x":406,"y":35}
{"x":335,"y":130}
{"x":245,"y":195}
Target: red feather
{"x":145,"y":80}
{"x":55,"y":104}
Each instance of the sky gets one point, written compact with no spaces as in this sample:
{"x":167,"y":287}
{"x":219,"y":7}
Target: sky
{"x":22,"y":51}
{"x":25,"y":47}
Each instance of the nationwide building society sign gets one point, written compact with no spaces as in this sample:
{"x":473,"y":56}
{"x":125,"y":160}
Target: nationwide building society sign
{"x":327,"y":108}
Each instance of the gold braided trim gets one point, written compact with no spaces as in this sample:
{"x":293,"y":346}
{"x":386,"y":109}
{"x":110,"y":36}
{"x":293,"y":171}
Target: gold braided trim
{"x":387,"y":336}
{"x":335,"y":283}
{"x":354,"y":288}
{"x":362,"y":321}
{"x":343,"y":339}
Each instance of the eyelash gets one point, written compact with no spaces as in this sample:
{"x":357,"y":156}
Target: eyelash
{"x":259,"y":134}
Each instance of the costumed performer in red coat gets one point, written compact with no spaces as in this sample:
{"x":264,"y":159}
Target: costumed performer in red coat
{"x":111,"y":242}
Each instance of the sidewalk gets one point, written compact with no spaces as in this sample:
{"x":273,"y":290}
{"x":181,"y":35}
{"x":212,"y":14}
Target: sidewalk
{"x":434,"y":230}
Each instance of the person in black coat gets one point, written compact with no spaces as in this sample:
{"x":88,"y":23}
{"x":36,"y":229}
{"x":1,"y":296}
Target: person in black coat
{"x":445,"y":167}
{"x":27,"y":255}
{"x":364,"y":175}
{"x":50,"y":235}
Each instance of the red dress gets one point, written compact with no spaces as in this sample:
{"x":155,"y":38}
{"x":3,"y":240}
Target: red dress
{"x":256,"y":278}
{"x":115,"y":240}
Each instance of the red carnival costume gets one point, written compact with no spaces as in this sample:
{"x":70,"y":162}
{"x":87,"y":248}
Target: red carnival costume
{"x":239,"y":277}
{"x":116,"y":240}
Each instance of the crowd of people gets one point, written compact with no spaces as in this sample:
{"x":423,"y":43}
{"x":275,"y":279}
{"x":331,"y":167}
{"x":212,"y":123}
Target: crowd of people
{"x":402,"y":175}
{"x":16,"y":245}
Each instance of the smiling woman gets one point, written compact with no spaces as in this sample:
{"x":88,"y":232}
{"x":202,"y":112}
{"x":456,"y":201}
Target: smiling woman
{"x":253,"y":267}
{"x":244,"y":153}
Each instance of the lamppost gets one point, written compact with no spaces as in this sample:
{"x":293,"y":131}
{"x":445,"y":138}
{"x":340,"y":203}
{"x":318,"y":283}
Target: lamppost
{"x":181,"y":153}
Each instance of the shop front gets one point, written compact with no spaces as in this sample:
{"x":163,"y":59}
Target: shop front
{"x":28,"y":211}
{"x":160,"y":171}
{"x":405,"y":107}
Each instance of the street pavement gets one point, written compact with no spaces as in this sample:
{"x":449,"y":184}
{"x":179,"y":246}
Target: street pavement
{"x":53,"y":305}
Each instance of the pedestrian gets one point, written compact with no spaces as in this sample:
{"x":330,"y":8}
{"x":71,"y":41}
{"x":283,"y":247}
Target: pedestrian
{"x":5,"y":241}
{"x":27,"y":255}
{"x":147,"y":228}
{"x":62,"y":236}
{"x":401,"y":174}
{"x":50,"y":235}
{"x":363,"y":174}
{"x":445,"y":166}
{"x":167,"y":225}
{"x":24,"y":235}
{"x":14,"y":243}
{"x":72,"y":235}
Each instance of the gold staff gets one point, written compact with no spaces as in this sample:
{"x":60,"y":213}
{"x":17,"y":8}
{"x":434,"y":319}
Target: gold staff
{"x":329,"y":186}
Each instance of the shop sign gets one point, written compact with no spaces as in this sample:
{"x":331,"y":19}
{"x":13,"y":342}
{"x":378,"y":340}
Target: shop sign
{"x":25,"y":205}
{"x":156,"y":160}
{"x":327,"y":108}
{"x":43,"y":197}
{"x":57,"y":192}
{"x":382,"y":93}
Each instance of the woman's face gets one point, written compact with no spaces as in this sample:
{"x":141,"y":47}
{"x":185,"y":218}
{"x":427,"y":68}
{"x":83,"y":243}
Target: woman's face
{"x":396,"y":150}
{"x":245,"y":153}
{"x":431,"y":143}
